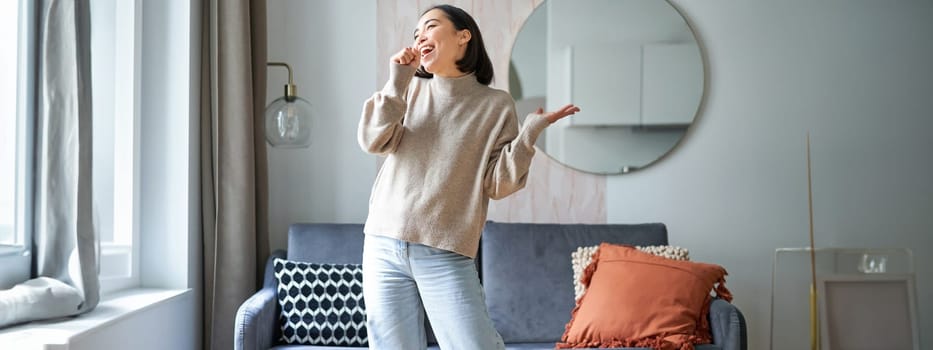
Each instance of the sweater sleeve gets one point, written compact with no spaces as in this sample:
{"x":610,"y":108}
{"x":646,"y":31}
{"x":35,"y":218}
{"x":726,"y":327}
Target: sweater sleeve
{"x":380,"y":129}
{"x":507,"y":168}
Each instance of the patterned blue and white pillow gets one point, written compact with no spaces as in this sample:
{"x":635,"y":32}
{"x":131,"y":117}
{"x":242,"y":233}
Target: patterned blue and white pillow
{"x":322,"y":304}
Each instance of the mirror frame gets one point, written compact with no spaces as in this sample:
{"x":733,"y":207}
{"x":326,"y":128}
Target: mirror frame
{"x":688,"y":131}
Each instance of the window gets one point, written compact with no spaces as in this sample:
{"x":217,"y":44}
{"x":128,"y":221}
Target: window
{"x":115,"y":88}
{"x":114,"y":62}
{"x":16,"y":35}
{"x":9,"y":19}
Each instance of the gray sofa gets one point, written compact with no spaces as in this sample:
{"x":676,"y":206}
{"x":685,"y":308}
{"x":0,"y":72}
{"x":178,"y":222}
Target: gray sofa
{"x":526,"y":274}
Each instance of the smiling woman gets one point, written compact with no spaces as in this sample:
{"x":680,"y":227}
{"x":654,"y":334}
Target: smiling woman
{"x":458,"y":142}
{"x":466,"y":53}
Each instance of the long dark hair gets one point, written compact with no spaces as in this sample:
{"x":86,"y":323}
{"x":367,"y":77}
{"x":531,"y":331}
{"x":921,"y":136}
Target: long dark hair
{"x":475,"y":59}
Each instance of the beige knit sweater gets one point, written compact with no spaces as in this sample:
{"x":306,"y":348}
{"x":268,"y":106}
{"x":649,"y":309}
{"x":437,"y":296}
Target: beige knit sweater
{"x":451,"y":144}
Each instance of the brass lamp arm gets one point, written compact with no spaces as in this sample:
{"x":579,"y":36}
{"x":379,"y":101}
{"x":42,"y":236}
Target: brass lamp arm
{"x":291,"y":90}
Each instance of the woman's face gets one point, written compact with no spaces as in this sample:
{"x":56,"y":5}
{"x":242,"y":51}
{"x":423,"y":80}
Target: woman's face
{"x":440,"y":44}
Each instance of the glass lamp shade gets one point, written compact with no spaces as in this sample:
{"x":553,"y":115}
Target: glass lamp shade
{"x":288,"y":122}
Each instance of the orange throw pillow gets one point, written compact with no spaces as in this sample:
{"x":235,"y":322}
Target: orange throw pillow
{"x":636,"y":299}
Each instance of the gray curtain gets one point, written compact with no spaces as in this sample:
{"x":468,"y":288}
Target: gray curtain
{"x":65,"y":246}
{"x":233,"y":160}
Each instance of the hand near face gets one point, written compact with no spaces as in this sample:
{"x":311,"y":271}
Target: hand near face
{"x":407,"y":57}
{"x":560,"y":113}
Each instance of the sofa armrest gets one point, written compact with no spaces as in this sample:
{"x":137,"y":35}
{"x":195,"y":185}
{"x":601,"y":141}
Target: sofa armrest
{"x":727,"y":325}
{"x":257,"y":316}
{"x":255,"y":321}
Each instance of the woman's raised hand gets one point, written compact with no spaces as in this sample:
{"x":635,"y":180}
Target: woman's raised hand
{"x":564,"y":111}
{"x":408,"y":56}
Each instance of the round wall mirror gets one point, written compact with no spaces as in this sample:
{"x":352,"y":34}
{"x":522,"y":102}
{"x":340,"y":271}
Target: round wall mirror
{"x":633,"y":67}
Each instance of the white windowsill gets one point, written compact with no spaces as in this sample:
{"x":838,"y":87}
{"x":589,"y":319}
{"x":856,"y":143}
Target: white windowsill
{"x":60,"y":332}
{"x":9,"y":249}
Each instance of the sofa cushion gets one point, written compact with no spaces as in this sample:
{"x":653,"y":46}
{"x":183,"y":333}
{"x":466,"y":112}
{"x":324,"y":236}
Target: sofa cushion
{"x":638,"y":299}
{"x":582,"y":257}
{"x":322,"y":304}
{"x":528,"y":278}
{"x":332,"y":243}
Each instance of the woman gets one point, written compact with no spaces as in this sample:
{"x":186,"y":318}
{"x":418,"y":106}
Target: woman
{"x":451,"y":143}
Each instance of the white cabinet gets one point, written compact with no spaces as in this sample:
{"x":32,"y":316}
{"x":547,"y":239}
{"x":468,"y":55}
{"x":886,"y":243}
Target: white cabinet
{"x":672,"y":84}
{"x":634,"y":84}
{"x":605,"y":81}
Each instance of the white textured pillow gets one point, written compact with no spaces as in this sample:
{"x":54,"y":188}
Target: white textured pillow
{"x":582,"y":257}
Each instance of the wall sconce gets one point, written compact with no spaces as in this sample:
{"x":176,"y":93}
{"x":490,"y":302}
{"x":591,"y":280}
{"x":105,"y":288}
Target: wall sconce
{"x":288,"y":118}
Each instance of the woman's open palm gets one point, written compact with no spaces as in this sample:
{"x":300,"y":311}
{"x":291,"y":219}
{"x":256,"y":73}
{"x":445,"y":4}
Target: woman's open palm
{"x":562,"y":112}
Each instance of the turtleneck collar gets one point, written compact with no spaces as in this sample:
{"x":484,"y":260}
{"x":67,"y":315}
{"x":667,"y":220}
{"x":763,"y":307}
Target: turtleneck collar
{"x":454,"y":86}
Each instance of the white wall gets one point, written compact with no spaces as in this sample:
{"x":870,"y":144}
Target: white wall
{"x":170,"y":188}
{"x":331,"y":46}
{"x":167,"y":219}
{"x":854,"y":73}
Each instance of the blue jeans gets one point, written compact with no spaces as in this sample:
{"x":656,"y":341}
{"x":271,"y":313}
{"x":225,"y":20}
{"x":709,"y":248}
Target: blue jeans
{"x":402,"y":281}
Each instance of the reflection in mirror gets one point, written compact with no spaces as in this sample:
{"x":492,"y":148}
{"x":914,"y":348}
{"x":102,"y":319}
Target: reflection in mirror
{"x":633,"y":67}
